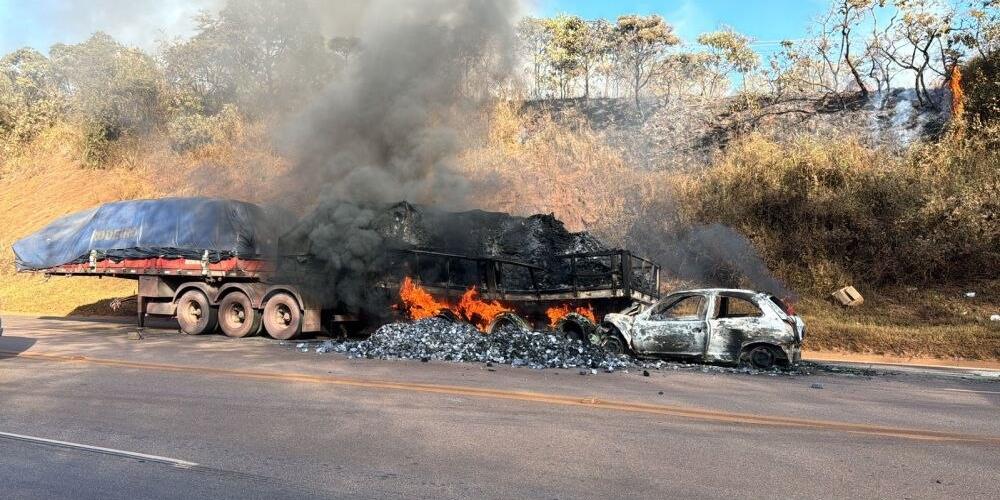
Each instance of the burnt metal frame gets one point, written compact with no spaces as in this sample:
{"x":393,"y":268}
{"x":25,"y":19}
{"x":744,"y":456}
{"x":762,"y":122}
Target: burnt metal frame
{"x":621,"y":279}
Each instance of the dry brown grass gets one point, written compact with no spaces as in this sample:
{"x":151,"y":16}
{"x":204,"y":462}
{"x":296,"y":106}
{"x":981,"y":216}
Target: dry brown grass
{"x":824,"y":212}
{"x":535,"y":165}
{"x":938,"y":321}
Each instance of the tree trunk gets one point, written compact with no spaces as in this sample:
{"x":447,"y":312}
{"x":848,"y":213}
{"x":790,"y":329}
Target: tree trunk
{"x":635,"y":88}
{"x":854,"y":71}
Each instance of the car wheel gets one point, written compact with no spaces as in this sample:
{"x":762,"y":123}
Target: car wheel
{"x":195,"y":315}
{"x":613,"y":342}
{"x":762,"y":357}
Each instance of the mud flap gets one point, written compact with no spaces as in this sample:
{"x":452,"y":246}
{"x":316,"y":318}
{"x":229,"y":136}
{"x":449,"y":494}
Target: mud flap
{"x":311,"y":321}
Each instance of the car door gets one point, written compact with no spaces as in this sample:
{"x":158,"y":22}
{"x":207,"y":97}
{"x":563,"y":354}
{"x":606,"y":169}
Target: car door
{"x":734,"y":319}
{"x":674,"y":326}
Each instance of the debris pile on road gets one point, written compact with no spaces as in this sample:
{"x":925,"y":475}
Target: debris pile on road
{"x":440,"y":339}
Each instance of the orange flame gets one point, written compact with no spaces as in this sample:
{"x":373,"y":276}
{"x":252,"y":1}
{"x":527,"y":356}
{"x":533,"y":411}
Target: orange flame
{"x":557,"y":313}
{"x":418,"y":303}
{"x":479,"y":312}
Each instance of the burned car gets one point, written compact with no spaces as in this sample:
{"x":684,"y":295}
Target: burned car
{"x":710,"y":325}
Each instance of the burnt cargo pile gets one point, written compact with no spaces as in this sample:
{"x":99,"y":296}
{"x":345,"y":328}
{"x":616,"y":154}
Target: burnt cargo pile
{"x":437,"y":339}
{"x":539,"y":240}
{"x":536,"y":239}
{"x":443,"y":340}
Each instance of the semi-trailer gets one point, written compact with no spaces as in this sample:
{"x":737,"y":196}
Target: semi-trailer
{"x":216,"y":264}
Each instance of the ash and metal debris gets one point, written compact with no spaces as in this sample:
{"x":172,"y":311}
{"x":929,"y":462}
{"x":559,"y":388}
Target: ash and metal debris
{"x":438,"y":339}
{"x":442,"y":340}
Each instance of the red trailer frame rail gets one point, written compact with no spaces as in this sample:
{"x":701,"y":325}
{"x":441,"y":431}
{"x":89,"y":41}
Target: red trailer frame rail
{"x":133,"y":268}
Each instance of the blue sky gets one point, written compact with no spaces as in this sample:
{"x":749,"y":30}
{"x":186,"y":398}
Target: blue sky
{"x":40,"y":23}
{"x":764,"y":20}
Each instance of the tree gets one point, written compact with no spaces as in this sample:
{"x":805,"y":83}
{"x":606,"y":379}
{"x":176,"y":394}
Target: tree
{"x":979,"y":31}
{"x":685,"y":74}
{"x":596,"y":45}
{"x":199,"y":81}
{"x":533,"y":39}
{"x":642,"y":41}
{"x":917,"y":40}
{"x":728,"y":52}
{"x":850,"y":13}
{"x":602,"y":49}
{"x":31,"y":96}
{"x":567,"y":35}
{"x":270,"y":53}
{"x":113,"y":88}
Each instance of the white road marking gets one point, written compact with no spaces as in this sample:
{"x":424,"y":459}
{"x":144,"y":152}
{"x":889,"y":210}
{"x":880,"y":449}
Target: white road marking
{"x":970,"y":390}
{"x":98,"y":449}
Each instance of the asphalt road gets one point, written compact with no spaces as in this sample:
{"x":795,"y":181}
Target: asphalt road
{"x":209,"y":417}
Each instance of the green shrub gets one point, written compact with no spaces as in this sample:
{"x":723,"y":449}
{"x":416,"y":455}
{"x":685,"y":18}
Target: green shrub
{"x":981,"y":83}
{"x":190,"y":131}
{"x":97,"y":140}
{"x":823,"y":211}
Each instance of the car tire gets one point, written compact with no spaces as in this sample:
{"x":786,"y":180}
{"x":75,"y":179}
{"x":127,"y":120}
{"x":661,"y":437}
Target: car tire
{"x":762,"y":357}
{"x":614,"y":342}
{"x":237,"y":317}
{"x":195,"y":315}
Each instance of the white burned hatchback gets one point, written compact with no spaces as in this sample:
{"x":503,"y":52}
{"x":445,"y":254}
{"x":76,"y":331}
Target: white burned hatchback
{"x":711,"y":325}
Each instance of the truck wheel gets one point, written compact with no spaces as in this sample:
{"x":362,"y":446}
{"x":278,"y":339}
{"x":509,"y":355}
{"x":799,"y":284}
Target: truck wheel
{"x":237,"y":317}
{"x":507,"y":320}
{"x":282,"y":317}
{"x":195,"y":315}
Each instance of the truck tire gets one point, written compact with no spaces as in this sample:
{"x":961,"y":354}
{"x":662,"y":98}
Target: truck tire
{"x":195,"y":315}
{"x":282,"y":317}
{"x":237,"y":317}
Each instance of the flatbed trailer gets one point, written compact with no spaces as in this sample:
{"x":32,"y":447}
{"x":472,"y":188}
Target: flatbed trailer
{"x":244,"y":296}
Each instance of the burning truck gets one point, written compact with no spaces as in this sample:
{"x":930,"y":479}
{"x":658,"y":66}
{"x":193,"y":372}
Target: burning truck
{"x":244,"y":269}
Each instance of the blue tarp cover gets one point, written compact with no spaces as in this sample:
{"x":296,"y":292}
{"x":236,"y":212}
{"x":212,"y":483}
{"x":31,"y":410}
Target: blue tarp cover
{"x":167,"y":227}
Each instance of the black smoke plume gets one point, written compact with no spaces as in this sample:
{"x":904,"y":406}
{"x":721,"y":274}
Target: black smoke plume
{"x":387,"y":130}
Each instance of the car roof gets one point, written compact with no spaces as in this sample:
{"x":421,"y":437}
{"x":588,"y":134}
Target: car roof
{"x":739,"y":292}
